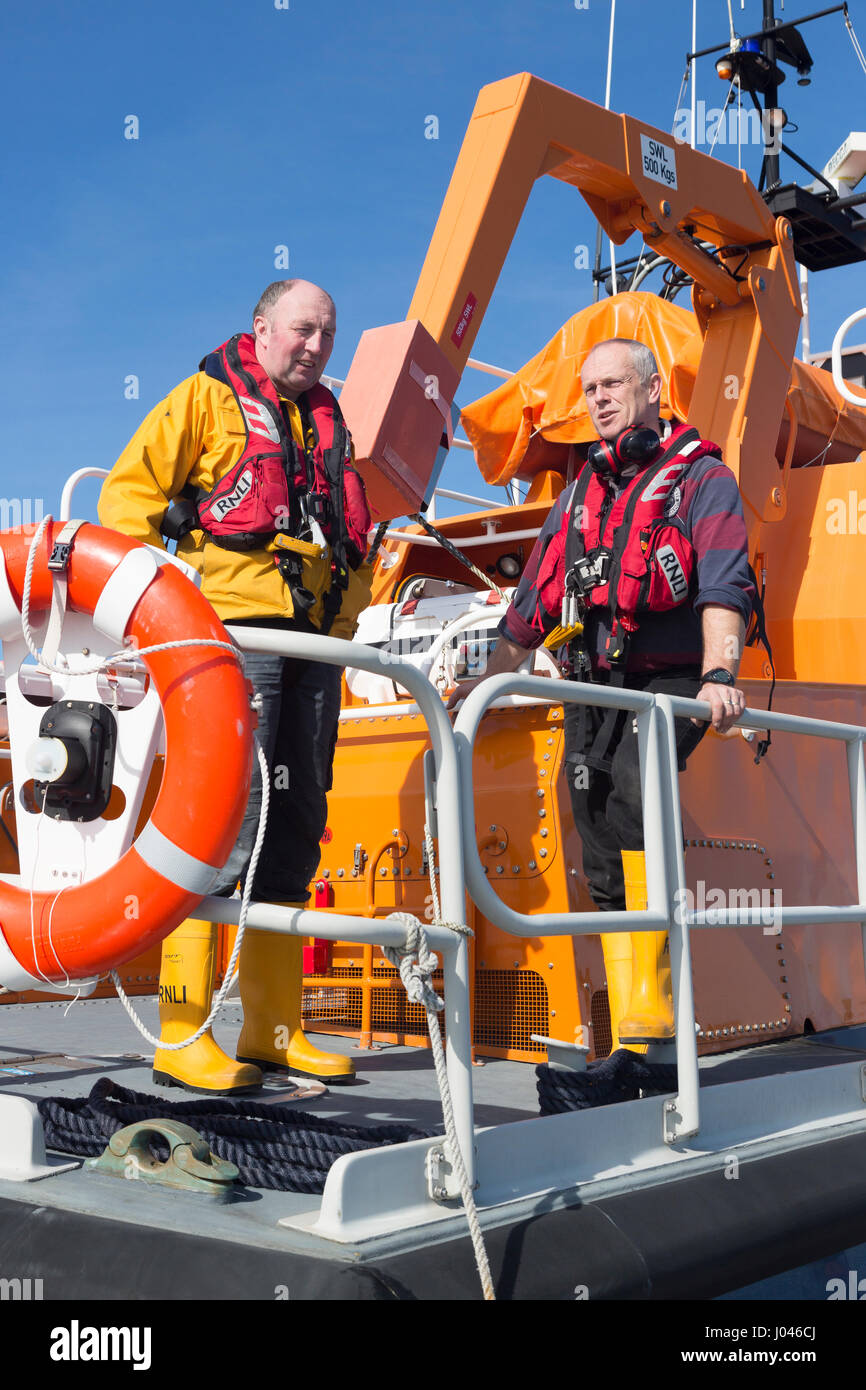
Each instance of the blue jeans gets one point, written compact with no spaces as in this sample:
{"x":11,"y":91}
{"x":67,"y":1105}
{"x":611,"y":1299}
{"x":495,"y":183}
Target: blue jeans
{"x":298,"y":725}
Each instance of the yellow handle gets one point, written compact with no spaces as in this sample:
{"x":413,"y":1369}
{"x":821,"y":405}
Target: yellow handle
{"x":560,"y":635}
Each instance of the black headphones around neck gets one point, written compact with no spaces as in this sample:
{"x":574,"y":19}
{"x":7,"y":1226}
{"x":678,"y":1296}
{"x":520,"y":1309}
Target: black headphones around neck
{"x":608,"y":457}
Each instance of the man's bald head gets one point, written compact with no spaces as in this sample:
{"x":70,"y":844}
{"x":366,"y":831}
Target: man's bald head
{"x":275,"y":291}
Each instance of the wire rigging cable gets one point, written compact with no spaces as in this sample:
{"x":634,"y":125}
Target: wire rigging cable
{"x":721,"y":123}
{"x":855,"y":42}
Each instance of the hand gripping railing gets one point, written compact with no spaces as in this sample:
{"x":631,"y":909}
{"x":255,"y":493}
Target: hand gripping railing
{"x":663,"y":839}
{"x":334,"y":926}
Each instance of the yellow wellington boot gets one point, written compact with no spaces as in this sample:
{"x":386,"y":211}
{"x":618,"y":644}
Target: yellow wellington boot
{"x":271,"y":976}
{"x":650,"y":1016}
{"x":186,"y":981}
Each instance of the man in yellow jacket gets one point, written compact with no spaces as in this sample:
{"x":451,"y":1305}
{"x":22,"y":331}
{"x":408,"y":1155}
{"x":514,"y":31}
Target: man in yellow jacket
{"x":248,"y":466}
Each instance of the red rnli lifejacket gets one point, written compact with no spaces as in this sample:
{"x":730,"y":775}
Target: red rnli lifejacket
{"x":275,"y":486}
{"x":629,"y":553}
{"x":277,"y":491}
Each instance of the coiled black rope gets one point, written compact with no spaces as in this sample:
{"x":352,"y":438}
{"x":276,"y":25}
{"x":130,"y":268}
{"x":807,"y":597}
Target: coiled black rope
{"x":273,"y":1146}
{"x":622,"y":1076}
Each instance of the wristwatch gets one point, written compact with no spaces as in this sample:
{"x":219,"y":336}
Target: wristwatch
{"x":718,"y":676}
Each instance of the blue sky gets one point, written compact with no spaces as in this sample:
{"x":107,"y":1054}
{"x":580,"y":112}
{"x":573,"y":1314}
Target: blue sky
{"x":305,"y":127}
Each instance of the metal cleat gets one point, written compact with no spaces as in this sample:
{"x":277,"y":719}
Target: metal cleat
{"x":190,"y":1165}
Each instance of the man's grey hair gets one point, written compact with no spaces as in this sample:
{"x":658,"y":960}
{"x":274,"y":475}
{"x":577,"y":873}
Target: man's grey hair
{"x":272,"y":296}
{"x":643,"y":360}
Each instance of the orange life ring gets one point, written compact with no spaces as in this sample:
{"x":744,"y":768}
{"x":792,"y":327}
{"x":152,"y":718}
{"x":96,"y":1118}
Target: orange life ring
{"x":198,"y":811}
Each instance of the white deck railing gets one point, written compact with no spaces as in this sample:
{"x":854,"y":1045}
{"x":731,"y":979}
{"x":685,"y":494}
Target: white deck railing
{"x":663,"y":837}
{"x":836,"y":354}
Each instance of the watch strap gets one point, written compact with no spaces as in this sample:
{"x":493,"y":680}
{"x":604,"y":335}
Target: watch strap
{"x":718,"y":676}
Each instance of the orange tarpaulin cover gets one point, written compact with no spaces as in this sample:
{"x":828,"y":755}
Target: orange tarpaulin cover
{"x":528,"y":423}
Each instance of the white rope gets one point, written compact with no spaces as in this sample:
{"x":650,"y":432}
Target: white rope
{"x":855,"y":42}
{"x":459,"y":927}
{"x":231,"y":971}
{"x":417,"y":964}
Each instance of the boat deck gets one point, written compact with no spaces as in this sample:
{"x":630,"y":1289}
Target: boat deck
{"x":62,"y":1050}
{"x":238,"y":1249}
{"x":50,"y":1049}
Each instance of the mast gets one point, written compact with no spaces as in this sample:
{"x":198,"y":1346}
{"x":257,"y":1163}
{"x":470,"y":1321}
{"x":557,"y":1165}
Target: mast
{"x":771,"y":101}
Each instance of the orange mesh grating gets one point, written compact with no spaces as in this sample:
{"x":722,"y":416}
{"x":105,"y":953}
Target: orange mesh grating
{"x":338,"y":1006}
{"x":599,"y":1010}
{"x":393,"y":1013}
{"x":381,"y":966}
{"x":509,"y":1006}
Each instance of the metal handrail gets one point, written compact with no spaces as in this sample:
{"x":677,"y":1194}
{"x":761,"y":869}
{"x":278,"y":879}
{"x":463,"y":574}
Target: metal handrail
{"x":486,"y":367}
{"x":332,"y":381}
{"x":665,"y":862}
{"x":548,"y":690}
{"x":453,"y":946}
{"x":685,"y":1121}
{"x":72,"y":483}
{"x":487,"y":503}
{"x":854,"y":737}
{"x":836,"y":353}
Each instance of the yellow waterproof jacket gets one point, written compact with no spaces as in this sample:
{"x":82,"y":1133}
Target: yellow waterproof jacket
{"x":195,"y":436}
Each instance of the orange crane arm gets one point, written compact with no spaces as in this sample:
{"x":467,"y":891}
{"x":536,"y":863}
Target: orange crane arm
{"x":634,"y":178}
{"x":523,"y":128}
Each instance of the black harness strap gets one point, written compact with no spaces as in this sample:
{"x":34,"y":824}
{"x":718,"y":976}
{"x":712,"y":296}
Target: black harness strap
{"x":334,"y":459}
{"x":759,"y":634}
{"x":581,"y":665}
